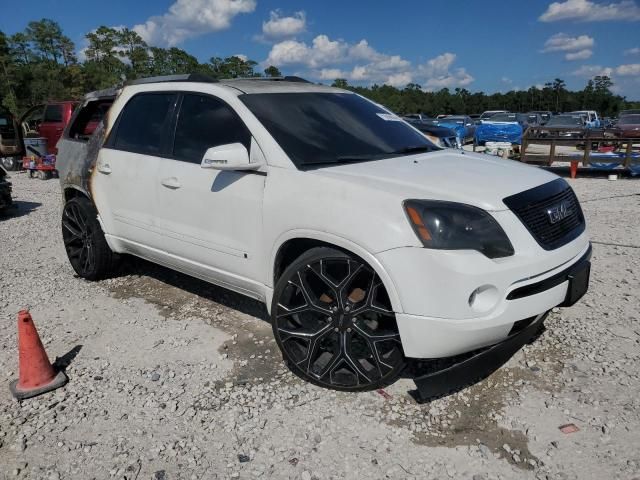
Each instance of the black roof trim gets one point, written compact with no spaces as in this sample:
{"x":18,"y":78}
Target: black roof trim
{"x":191,"y":77}
{"x":288,"y":78}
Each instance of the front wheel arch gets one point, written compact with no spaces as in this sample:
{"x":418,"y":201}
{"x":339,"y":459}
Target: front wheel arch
{"x":316,"y":238}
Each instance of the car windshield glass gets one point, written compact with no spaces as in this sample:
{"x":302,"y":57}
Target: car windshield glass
{"x":629,"y":120}
{"x":459,"y":120}
{"x":503,"y":117}
{"x":316,"y":128}
{"x":564,"y":121}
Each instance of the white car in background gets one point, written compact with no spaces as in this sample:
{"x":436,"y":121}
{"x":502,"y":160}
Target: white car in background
{"x":366,"y":242}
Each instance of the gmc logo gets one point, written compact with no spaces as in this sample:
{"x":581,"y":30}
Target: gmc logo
{"x":559,"y":212}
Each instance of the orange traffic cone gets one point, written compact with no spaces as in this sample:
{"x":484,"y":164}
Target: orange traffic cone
{"x":574,"y":169}
{"x":36,"y":372}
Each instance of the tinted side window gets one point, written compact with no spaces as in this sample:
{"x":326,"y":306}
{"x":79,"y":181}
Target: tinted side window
{"x":53,"y":113}
{"x":142,"y":124}
{"x":205,"y":122}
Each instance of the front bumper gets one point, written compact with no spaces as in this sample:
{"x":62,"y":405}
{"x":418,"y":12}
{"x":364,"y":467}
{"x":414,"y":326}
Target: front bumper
{"x":455,"y":327}
{"x":477,"y":366}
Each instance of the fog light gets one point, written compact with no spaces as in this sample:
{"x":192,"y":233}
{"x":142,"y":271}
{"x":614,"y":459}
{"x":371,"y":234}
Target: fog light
{"x":483,"y":298}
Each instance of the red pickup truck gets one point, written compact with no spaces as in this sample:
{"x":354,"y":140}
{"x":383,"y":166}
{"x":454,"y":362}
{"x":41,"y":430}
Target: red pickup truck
{"x":48,"y":121}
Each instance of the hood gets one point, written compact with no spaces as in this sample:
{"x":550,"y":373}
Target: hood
{"x":474,"y":179}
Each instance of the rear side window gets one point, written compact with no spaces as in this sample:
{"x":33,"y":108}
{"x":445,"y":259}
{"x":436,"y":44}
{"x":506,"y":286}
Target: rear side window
{"x":88,"y":118}
{"x":205,"y":122}
{"x":53,"y":113}
{"x":142,"y":124}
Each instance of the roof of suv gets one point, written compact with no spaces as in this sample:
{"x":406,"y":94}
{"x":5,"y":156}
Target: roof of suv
{"x":274,"y":86}
{"x":245,"y":85}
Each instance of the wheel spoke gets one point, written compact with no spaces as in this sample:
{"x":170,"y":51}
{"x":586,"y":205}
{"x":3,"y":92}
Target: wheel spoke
{"x":306,"y":293}
{"x":71,"y":229}
{"x":345,"y":345}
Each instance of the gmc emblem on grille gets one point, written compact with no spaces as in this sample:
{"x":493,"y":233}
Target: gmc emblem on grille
{"x":559,"y":212}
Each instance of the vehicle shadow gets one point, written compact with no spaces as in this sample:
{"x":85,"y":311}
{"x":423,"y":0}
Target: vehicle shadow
{"x":19,"y":209}
{"x":227,"y":298}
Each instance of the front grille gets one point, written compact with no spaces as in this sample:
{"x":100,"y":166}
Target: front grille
{"x":551,"y":213}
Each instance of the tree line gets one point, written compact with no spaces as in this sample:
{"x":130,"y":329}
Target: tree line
{"x":41,"y":63}
{"x":553,"y":96}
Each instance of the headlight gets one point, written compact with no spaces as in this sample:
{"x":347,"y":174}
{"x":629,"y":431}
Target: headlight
{"x":456,"y":226}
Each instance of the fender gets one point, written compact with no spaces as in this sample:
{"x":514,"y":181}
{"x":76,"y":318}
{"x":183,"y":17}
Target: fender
{"x":338,"y":242}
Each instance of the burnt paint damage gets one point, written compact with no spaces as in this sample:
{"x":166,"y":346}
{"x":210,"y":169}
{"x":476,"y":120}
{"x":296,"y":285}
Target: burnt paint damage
{"x":76,"y":157}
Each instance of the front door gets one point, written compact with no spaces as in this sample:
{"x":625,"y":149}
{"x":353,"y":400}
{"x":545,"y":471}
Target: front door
{"x":211,"y":220}
{"x":124,"y":181}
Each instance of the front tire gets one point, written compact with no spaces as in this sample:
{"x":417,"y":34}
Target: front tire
{"x":84,"y":242}
{"x":332,"y":319}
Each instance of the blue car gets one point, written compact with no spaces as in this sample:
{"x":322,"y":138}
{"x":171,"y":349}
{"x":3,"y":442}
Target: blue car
{"x":463,"y":125}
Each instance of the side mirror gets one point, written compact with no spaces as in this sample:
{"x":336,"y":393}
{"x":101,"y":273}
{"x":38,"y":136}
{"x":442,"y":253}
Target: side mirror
{"x":233,"y":156}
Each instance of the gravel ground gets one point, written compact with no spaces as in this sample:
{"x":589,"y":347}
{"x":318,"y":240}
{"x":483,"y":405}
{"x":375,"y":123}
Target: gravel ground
{"x":174,"y":378}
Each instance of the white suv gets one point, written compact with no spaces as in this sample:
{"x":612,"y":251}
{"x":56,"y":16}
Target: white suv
{"x":367,"y":243}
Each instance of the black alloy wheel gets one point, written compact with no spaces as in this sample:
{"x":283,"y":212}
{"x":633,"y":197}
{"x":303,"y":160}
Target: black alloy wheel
{"x":333,"y":322}
{"x":84,"y":242}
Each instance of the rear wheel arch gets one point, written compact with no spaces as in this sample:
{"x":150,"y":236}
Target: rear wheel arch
{"x":70,"y":192}
{"x":296,"y":244}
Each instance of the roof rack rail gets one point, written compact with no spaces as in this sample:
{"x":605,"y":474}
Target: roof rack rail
{"x":287,"y":78}
{"x":190,"y":77}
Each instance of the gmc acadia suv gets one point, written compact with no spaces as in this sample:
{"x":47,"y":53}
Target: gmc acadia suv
{"x":367,"y":243}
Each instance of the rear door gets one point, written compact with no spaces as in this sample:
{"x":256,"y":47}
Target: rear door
{"x":211,"y":220}
{"x":52,"y":125}
{"x":124,"y":182}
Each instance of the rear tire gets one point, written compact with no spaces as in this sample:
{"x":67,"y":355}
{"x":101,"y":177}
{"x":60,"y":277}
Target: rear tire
{"x":333,"y":321}
{"x":84,"y":242}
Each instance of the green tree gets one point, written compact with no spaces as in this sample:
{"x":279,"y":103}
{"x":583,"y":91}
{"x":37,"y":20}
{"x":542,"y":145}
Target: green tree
{"x":272,"y":71}
{"x":340,"y":83}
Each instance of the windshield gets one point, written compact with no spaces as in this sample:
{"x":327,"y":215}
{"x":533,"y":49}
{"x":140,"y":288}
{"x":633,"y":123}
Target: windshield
{"x":459,"y":120}
{"x":564,"y":121}
{"x":486,"y":115}
{"x":330,"y":128}
{"x":629,"y":120}
{"x":503,"y":117}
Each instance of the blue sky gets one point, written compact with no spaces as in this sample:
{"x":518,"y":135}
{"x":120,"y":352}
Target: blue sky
{"x":490,"y":45}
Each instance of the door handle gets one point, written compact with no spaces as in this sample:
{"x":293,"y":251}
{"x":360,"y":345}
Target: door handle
{"x":171,"y":182}
{"x":104,"y":168}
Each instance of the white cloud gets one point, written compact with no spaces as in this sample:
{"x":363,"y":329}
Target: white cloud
{"x":241,"y":56}
{"x":593,"y":70}
{"x":332,"y":73}
{"x":190,"y":18}
{"x":438,"y":74}
{"x":279,"y":27}
{"x":588,"y":11}
{"x":632,"y":51}
{"x":329,"y":59}
{"x":579,"y":55}
{"x":628,"y":70}
{"x":561,"y":42}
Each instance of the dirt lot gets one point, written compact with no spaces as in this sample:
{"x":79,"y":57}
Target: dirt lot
{"x":173,"y":378}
